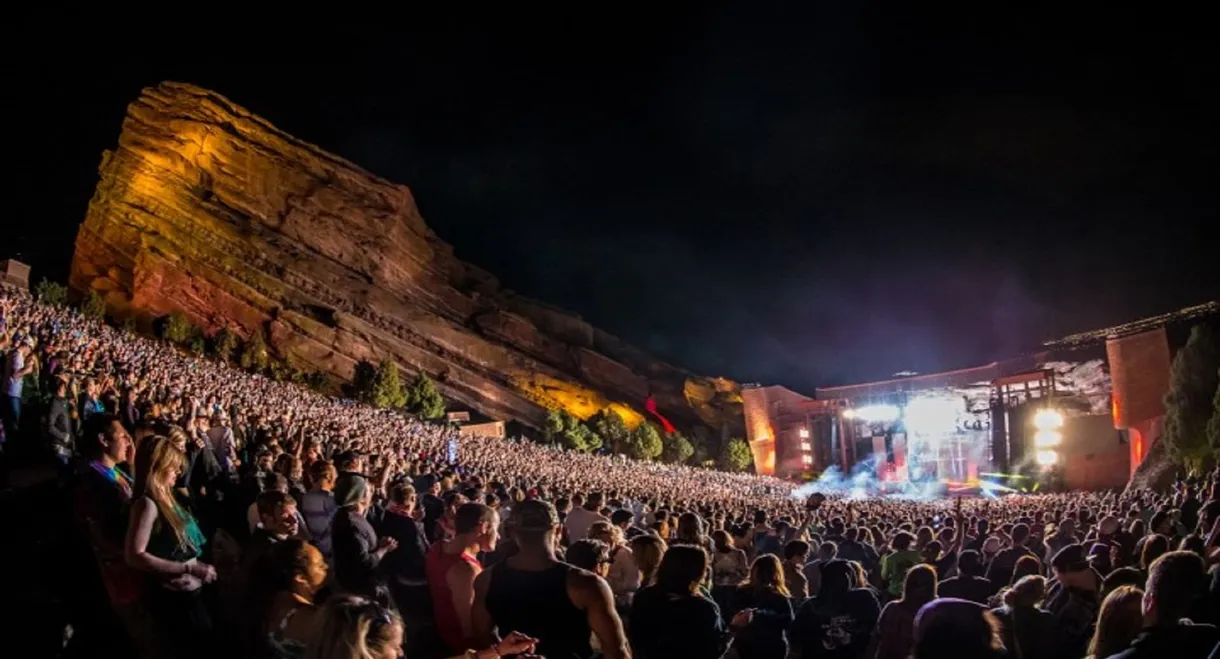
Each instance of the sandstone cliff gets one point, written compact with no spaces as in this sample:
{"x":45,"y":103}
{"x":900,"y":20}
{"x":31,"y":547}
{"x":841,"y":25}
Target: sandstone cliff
{"x":208,"y":209}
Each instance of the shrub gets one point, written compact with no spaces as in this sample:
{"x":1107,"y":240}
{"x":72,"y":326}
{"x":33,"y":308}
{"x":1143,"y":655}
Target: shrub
{"x":177,"y":328}
{"x":49,"y":292}
{"x":93,"y":306}
{"x":254,"y":356}
{"x":736,"y":455}
{"x":224,"y":343}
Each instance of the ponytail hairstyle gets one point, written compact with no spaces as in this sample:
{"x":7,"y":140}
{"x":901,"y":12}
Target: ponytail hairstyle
{"x":159,"y":462}
{"x":1026,"y":592}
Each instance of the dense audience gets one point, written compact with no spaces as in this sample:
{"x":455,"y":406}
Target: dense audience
{"x":226,"y":512}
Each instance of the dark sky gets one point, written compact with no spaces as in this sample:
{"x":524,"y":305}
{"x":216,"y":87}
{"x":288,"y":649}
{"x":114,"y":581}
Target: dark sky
{"x":802,"y":195}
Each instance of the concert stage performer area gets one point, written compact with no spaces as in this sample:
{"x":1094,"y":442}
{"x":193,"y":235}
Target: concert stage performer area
{"x":1050,"y":418}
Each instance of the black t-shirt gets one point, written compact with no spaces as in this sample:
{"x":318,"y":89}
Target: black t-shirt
{"x":966,"y":587}
{"x":1000,"y":571}
{"x":664,"y":626}
{"x":835,"y":625}
{"x":1190,"y":514}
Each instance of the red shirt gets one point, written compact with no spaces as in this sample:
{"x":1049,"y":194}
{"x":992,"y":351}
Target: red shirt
{"x":436,"y":568}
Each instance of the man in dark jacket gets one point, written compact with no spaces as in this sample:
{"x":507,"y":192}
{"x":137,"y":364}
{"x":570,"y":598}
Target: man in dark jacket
{"x":1175,"y":582}
{"x":404,"y":567}
{"x":404,"y":570}
{"x":358,"y":551}
{"x":59,"y":423}
{"x":1000,"y":571}
{"x":1073,"y":599}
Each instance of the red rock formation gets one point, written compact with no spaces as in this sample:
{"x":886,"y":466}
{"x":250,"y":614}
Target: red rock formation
{"x":208,"y":209}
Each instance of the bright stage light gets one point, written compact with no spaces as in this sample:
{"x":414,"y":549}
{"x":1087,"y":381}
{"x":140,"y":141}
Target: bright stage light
{"x":1047,"y":438}
{"x":1047,"y":458}
{"x":849,"y":414}
{"x":877,"y":413}
{"x":1048,"y":419}
{"x":932,"y":416}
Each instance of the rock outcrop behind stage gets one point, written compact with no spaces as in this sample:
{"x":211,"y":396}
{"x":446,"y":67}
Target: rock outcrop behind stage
{"x":208,"y":209}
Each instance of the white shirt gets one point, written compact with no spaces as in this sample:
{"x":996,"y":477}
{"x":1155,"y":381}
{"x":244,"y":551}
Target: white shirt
{"x":579,"y":521}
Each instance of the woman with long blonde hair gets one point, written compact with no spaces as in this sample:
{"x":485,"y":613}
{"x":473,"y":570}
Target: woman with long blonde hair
{"x":354,"y":627}
{"x":164,"y":541}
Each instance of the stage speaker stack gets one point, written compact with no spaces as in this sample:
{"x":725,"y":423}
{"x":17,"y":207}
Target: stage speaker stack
{"x":999,"y":437}
{"x":1019,"y":435}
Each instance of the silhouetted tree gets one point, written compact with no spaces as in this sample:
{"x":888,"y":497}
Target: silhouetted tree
{"x":319,"y":381}
{"x":224,"y":342}
{"x":93,"y":306}
{"x":1213,"y":426}
{"x":254,"y":355}
{"x":1188,"y":403}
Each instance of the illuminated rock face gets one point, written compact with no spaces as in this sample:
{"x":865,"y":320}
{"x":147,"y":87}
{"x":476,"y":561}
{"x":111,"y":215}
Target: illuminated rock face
{"x":210,"y":210}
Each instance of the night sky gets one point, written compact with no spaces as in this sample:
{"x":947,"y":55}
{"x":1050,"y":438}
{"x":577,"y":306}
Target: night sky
{"x":801,"y":196}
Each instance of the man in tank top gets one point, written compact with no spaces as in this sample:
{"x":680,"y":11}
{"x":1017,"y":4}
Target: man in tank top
{"x":451,"y":569}
{"x":538,"y":595}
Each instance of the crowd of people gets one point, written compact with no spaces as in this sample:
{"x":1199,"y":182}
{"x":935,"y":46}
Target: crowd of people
{"x":220,"y":511}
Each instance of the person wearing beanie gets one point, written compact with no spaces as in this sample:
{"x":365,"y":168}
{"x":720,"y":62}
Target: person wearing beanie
{"x":1074,"y":598}
{"x":358,"y":550}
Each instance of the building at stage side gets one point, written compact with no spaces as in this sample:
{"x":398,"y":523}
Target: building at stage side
{"x":1088,"y":405}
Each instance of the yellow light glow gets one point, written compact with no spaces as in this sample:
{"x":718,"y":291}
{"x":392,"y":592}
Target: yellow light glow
{"x":1047,"y":458}
{"x":804,"y":433}
{"x":1048,"y":419}
{"x":849,"y":414}
{"x":1047,"y":438}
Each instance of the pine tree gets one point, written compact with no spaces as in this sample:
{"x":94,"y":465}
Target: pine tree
{"x":1188,"y":403}
{"x":424,"y":399}
{"x":736,"y":455}
{"x":387,"y":390}
{"x":644,"y":443}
